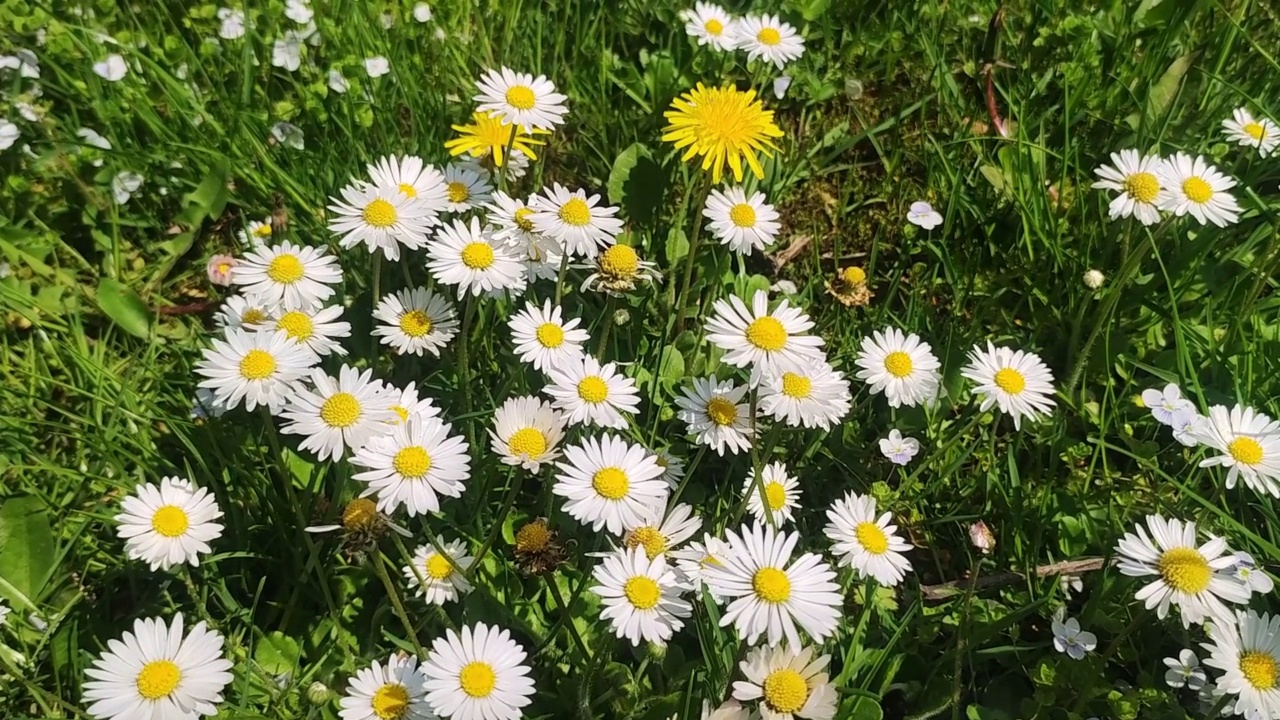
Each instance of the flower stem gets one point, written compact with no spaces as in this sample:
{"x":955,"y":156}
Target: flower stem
{"x":692,"y":260}
{"x":380,"y":568}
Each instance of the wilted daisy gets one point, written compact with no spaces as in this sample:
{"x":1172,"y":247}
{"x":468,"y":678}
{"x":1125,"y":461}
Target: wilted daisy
{"x":466,"y":255}
{"x":1069,"y":639}
{"x":341,"y":414}
{"x":811,"y":394}
{"x":1255,"y":578}
{"x":1196,"y":187}
{"x":725,"y":127}
{"x":1184,"y":671}
{"x":434,"y":576}
{"x":1137,"y":177}
{"x":1250,"y":445}
{"x":384,"y":691}
{"x":901,"y":366}
{"x":380,"y":216}
{"x":158,"y":672}
{"x":169,"y":524}
{"x":641,"y":596}
{"x":609,"y":483}
{"x":575,"y":220}
{"x":412,"y":464}
{"x":777,"y":496}
{"x":898,"y":449}
{"x":478,"y":674}
{"x":715,"y":415}
{"x":866,"y":542}
{"x":618,"y":270}
{"x":521,"y":99}
{"x":318,"y":330}
{"x":1187,"y":575}
{"x":286,"y":274}
{"x":744,"y":224}
{"x":770,"y":342}
{"x":257,"y":367}
{"x":1247,"y":131}
{"x":1163,"y":404}
{"x":490,"y":137}
{"x":788,"y":682}
{"x":767,"y":37}
{"x":591,"y":393}
{"x":415,"y":179}
{"x":693,"y":560}
{"x":770,"y":593}
{"x":544,"y":339}
{"x":709,"y":24}
{"x":238,"y":311}
{"x":466,"y":188}
{"x":415,"y":321}
{"x":526,"y":432}
{"x":1018,"y":382}
{"x":1248,"y":654}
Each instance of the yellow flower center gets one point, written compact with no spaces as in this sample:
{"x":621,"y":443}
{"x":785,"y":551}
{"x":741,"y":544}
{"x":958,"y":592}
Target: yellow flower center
{"x":157,"y":679}
{"x":477,"y":255}
{"x":775,"y":496}
{"x":769,"y":36}
{"x":550,"y":335}
{"x":257,"y":365}
{"x":522,"y":219}
{"x":252,"y":316}
{"x":575,"y":212}
{"x":898,"y":364}
{"x":1142,"y":186}
{"x":408,"y":190}
{"x":477,"y":679}
{"x":285,"y":269}
{"x":767,"y":334}
{"x":1245,"y":450}
{"x":297,"y":325}
{"x":1185,"y":569}
{"x":721,"y":412}
{"x":1259,"y":669}
{"x":1197,"y":190}
{"x":620,"y":261}
{"x":359,"y":514}
{"x":390,"y":702}
{"x":533,"y":537}
{"x":743,"y":215}
{"x":224,"y":268}
{"x":714,"y":26}
{"x":521,"y":97}
{"x":785,"y":691}
{"x":528,"y":441}
{"x":415,"y":323}
{"x":262,"y":231}
{"x":642,"y":592}
{"x":796,"y":386}
{"x":458,"y":192}
{"x":771,"y":585}
{"x":412,"y":462}
{"x":871,"y":537}
{"x":340,"y":410}
{"x":1010,"y":381}
{"x":380,"y":214}
{"x":610,"y":483}
{"x":402,"y":414}
{"x":593,"y":389}
{"x":650,"y":538}
{"x":170,"y":521}
{"x":438,"y":567}
{"x":853,"y":275}
{"x":1255,"y":130}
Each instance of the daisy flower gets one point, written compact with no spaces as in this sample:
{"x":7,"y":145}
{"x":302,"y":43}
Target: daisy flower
{"x":591,"y":393}
{"x":466,"y":255}
{"x":391,"y":690}
{"x":725,"y":127}
{"x":415,"y":321}
{"x":286,"y":274}
{"x":618,"y":270}
{"x":169,"y":524}
{"x":238,"y":311}
{"x":1197,"y":187}
{"x":512,"y":225}
{"x":435,"y":576}
{"x":491,"y":136}
{"x":709,"y":24}
{"x":257,"y":233}
{"x":409,"y":405}
{"x":316,"y":329}
{"x":744,"y":224}
{"x":158,"y":672}
{"x":901,"y":366}
{"x":465,"y":188}
{"x":770,"y":342}
{"x":521,"y":99}
{"x":715,"y":416}
{"x":776,"y":498}
{"x":258,"y":368}
{"x":1068,"y":638}
{"x":693,"y":560}
{"x":1184,"y":671}
{"x":1248,"y":654}
{"x":865,"y":542}
{"x":1137,"y":177}
{"x":412,"y":464}
{"x":1247,"y":571}
{"x":609,"y":483}
{"x":205,"y":405}
{"x":341,"y":414}
{"x":1186,"y":575}
{"x":577,"y":222}
{"x":923,"y":215}
{"x":1244,"y":130}
{"x":898,"y":449}
{"x":1165,"y":403}
{"x":811,"y":394}
{"x":788,"y":683}
{"x":662,"y":531}
{"x":641,"y":596}
{"x":478,"y":674}
{"x":672,"y":467}
{"x":770,"y":593}
{"x":1250,"y":445}
{"x":219,"y":269}
{"x":544,"y":339}
{"x":380,"y":216}
{"x":415,"y":180}
{"x":4,"y":613}
{"x":767,"y":37}
{"x":1017,"y":381}
{"x":526,"y":431}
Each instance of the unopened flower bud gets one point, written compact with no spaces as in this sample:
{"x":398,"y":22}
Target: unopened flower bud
{"x":319,"y":694}
{"x":1093,"y":279}
{"x":982,"y":537}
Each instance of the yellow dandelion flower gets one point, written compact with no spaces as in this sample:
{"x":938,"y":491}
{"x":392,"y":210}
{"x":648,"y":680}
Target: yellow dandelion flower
{"x":491,"y":135}
{"x":724,"y":126}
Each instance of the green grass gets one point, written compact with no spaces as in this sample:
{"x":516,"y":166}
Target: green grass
{"x":88,"y":409}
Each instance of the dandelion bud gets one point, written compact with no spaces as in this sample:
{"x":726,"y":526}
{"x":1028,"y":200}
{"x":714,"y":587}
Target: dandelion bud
{"x":982,"y":537}
{"x":1093,"y":279}
{"x":319,"y":694}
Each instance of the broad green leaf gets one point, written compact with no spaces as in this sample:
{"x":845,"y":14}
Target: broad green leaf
{"x":277,"y":653}
{"x":26,"y":548}
{"x":672,"y":369}
{"x":210,"y":196}
{"x":1162,"y":93}
{"x":120,"y":303}
{"x":637,"y":183}
{"x":677,"y":245}
{"x":866,"y":709}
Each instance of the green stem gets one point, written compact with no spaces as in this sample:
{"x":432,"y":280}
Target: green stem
{"x":564,"y":268}
{"x":379,"y":567}
{"x":42,"y":697}
{"x":464,"y":358}
{"x":498,"y":522}
{"x":377,"y":295}
{"x":961,"y":641}
{"x":692,"y":260}
{"x":506,"y":159}
{"x":607,"y":325}
{"x":554,"y":589}
{"x":1126,"y":273}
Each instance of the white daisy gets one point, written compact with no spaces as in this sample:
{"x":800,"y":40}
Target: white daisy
{"x":394,"y":690}
{"x":865,"y":542}
{"x":466,"y":255}
{"x":715,"y":416}
{"x":661,"y":531}
{"x":1019,"y":382}
{"x":577,"y":222}
{"x":257,"y":367}
{"x":1248,"y":654}
{"x":898,"y":449}
{"x":811,"y":394}
{"x":770,"y":593}
{"x":465,"y":187}
{"x":766,"y":36}
{"x":777,"y":496}
{"x":434,"y":576}
{"x":256,"y":234}
{"x":1255,"y":578}
{"x":609,"y":483}
{"x":744,"y":224}
{"x":169,"y":524}
{"x":409,"y":405}
{"x":412,"y":464}
{"x":526,"y":432}
{"x":923,"y":215}
{"x":641,"y":596}
{"x":521,"y":99}
{"x":317,"y":329}
{"x":1069,"y":639}
{"x":415,"y":321}
{"x":693,"y":560}
{"x":672,"y":467}
{"x":414,"y":179}
{"x":545,"y":340}
{"x":591,"y":393}
{"x":1186,"y":575}
{"x":4,"y":613}
{"x":1197,"y":187}
{"x":380,"y":216}
{"x":511,"y":218}
{"x":709,"y":24}
{"x":1138,"y":179}
{"x":770,"y":342}
{"x":478,"y":674}
{"x":238,"y":311}
{"x":901,"y":366}
{"x":206,"y":405}
{"x":788,"y":682}
{"x":287,"y":274}
{"x":157,"y":672}
{"x":1163,"y":404}
{"x":1250,"y":445}
{"x":341,"y":414}
{"x":1184,"y":671}
{"x":1245,"y":130}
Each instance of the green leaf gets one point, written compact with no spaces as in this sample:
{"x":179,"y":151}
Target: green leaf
{"x":865,"y":708}
{"x":120,"y":303}
{"x":637,"y":183}
{"x":1162,"y":93}
{"x":672,"y":369}
{"x":210,"y":196}
{"x":277,"y":653}
{"x":26,"y":549}
{"x":677,"y":245}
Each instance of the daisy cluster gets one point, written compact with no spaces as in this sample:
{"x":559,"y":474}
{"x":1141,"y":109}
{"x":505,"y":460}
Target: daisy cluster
{"x":762,"y":36}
